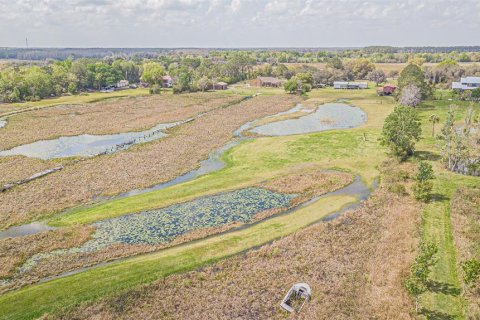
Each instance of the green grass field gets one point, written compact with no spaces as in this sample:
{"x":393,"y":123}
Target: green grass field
{"x":443,"y":300}
{"x":35,"y":300}
{"x":249,"y":163}
{"x":263,"y":158}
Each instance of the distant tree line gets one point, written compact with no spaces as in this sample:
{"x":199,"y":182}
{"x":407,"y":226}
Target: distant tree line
{"x":277,"y":55}
{"x":199,"y":69}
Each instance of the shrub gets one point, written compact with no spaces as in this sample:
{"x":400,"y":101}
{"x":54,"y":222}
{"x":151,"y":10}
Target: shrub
{"x":425,"y":171}
{"x":416,"y":283}
{"x":471,"y":272}
{"x":155,"y":89}
{"x":423,"y":186}
{"x":422,"y":190}
{"x":398,"y":189}
{"x":306,"y":87}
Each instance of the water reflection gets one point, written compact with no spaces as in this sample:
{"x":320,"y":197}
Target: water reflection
{"x":87,"y":145}
{"x":327,"y":117}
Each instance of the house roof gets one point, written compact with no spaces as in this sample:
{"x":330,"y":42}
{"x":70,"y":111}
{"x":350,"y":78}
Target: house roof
{"x":222,"y":83}
{"x":458,"y":85}
{"x":389,"y":86}
{"x":470,"y":80}
{"x":166,"y":78}
{"x":346,"y":83}
{"x":269,"y":79}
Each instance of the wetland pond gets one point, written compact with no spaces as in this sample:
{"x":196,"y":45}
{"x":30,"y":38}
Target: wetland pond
{"x":87,"y":145}
{"x":328,"y":116}
{"x":346,"y":117}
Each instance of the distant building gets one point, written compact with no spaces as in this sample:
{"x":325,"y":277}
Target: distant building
{"x":388,"y":89}
{"x":266,"y":82}
{"x":122,"y":84}
{"x":167,"y":82}
{"x":220,"y":86}
{"x":467,"y":83}
{"x":349,"y":85}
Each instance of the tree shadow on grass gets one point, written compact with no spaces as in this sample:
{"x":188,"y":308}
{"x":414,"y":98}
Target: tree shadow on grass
{"x":435,"y":315}
{"x":438,"y":197}
{"x":425,"y":106}
{"x":442,"y":287}
{"x":427,"y":155}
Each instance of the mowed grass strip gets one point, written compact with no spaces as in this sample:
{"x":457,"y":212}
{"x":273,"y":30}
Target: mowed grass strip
{"x":247,"y":164}
{"x":443,"y":298}
{"x":355,"y":150}
{"x":35,"y":300}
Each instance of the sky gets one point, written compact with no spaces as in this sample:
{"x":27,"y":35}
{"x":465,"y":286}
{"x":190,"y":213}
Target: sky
{"x":238,"y":23}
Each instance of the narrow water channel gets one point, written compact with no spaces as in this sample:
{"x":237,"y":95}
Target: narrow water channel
{"x":87,"y":145}
{"x":357,"y":188}
{"x":214,"y":162}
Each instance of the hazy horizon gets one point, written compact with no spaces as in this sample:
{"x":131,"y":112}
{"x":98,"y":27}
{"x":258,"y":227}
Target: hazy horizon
{"x":237,"y":23}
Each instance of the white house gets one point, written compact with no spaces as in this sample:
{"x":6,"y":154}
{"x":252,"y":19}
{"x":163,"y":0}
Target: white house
{"x":122,"y":84}
{"x":468,"y":83}
{"x":349,"y":85}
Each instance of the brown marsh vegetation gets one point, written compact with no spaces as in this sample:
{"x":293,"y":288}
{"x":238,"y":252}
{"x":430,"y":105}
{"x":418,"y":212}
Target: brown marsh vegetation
{"x":108,"y":117}
{"x":355,"y":265}
{"x":305,"y":181}
{"x":140,"y":166}
{"x":14,"y":251}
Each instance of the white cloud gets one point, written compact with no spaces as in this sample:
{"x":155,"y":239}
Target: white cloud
{"x":238,"y":22}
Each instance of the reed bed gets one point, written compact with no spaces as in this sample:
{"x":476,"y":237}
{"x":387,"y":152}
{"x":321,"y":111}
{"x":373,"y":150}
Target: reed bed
{"x":138,"y":167}
{"x":339,"y":259}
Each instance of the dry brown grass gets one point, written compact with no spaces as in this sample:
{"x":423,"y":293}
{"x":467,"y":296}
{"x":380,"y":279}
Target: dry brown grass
{"x":309,"y":183}
{"x":466,"y":227}
{"x":122,"y":115}
{"x":138,"y":167}
{"x":341,"y":261}
{"x":18,"y":168}
{"x":14,"y":251}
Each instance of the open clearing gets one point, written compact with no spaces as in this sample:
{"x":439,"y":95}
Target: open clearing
{"x":272,"y":156}
{"x":138,"y":167}
{"x":357,"y":263}
{"x":9,"y":109}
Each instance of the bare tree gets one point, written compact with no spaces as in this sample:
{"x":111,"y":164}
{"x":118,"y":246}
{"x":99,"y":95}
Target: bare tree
{"x":411,"y":96}
{"x":378,"y":76}
{"x":203,"y":83}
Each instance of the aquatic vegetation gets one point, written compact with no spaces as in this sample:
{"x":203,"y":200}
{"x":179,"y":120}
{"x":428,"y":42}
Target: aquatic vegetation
{"x":107,"y":117}
{"x":331,"y":257}
{"x":139,"y":167}
{"x":163,"y":225}
{"x":14,"y":251}
{"x":160,"y":226}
